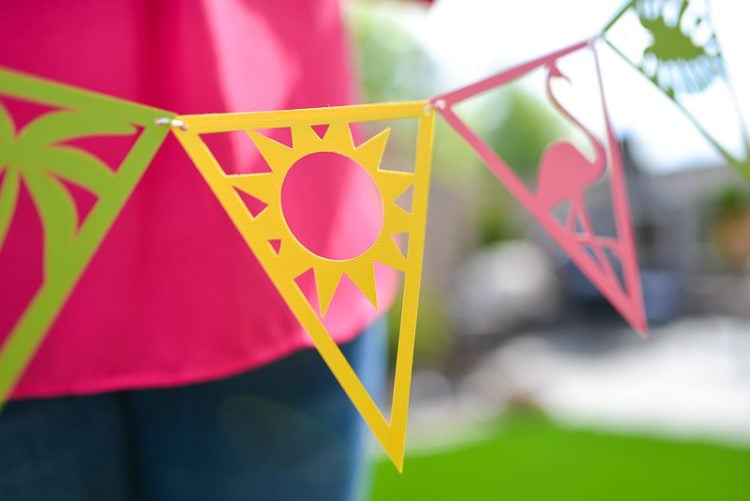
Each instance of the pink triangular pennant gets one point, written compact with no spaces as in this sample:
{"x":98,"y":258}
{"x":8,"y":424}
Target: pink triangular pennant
{"x":564,"y":175}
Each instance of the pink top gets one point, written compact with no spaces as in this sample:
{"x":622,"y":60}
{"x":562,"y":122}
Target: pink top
{"x":174,"y":295}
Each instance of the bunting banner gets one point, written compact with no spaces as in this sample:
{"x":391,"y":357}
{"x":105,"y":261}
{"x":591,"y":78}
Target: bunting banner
{"x":285,"y":258}
{"x":682,"y":57}
{"x":49,"y":174}
{"x":564,"y":175}
{"x":43,"y":160}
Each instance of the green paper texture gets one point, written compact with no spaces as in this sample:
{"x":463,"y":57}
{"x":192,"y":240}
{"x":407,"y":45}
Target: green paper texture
{"x":679,"y":65}
{"x":35,"y":156}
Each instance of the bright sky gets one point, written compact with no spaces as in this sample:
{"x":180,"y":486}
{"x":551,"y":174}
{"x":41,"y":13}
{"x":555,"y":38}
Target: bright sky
{"x":471,"y":39}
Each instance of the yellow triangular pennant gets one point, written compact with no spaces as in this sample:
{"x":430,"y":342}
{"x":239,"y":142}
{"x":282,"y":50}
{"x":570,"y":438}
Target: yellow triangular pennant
{"x":284,"y":258}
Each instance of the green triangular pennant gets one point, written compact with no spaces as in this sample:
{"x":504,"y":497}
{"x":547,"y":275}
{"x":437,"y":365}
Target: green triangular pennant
{"x":40,"y":156}
{"x":673,"y":43}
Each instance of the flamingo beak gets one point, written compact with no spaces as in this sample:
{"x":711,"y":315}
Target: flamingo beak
{"x":554,"y":72}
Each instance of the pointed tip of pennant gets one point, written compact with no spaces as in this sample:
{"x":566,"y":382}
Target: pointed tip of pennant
{"x":638,"y":321}
{"x":397,"y":458}
{"x":642,"y":329}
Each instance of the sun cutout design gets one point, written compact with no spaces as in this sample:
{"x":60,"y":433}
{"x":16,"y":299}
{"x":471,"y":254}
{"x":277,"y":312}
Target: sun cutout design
{"x":271,"y":225}
{"x":253,"y":202}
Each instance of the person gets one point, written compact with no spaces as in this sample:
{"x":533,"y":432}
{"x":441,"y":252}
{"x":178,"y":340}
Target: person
{"x":175,"y":370}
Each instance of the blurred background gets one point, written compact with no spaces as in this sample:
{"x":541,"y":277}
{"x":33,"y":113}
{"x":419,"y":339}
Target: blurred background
{"x":527,"y":384}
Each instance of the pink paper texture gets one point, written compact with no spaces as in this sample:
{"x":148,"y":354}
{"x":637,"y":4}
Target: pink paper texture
{"x":565,"y":173}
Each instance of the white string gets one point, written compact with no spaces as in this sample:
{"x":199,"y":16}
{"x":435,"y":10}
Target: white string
{"x":172,"y":122}
{"x":439,"y":104}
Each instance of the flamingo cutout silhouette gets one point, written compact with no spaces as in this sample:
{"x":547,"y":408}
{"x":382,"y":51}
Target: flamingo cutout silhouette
{"x":564,"y":175}
{"x":564,"y":172}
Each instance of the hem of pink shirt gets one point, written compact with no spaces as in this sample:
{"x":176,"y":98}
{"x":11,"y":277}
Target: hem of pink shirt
{"x":152,"y":381}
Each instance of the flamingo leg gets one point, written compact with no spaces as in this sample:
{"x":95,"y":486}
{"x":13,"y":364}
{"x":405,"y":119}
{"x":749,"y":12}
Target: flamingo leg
{"x":589,"y":239}
{"x":570,"y":224}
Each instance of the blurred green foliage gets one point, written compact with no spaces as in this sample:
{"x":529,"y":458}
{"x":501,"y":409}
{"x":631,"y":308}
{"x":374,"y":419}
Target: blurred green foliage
{"x":731,"y":200}
{"x":392,"y":65}
{"x":729,"y":226}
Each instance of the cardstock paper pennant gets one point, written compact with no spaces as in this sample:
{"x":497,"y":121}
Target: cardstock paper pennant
{"x":683,"y":59}
{"x":285,"y":258}
{"x":564,"y":175}
{"x":39,"y":157}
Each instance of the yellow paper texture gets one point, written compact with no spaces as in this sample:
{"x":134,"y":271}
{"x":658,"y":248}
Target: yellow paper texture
{"x":293,"y":258}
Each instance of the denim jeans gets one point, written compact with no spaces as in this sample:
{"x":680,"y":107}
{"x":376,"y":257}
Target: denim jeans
{"x":285,"y":431}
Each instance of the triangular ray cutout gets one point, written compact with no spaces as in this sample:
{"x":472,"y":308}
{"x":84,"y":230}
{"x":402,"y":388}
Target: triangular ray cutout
{"x":326,"y":284}
{"x":305,"y":282}
{"x":404,"y":200}
{"x":235,"y":152}
{"x":399,"y":155}
{"x":254,"y":205}
{"x":295,"y":268}
{"x":282,"y":135}
{"x":275,"y":244}
{"x":320,"y":130}
{"x":402,"y":242}
{"x":68,"y":245}
{"x":673,"y":43}
{"x":564,"y":173}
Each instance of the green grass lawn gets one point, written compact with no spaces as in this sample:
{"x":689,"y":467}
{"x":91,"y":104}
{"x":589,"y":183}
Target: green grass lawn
{"x":530,"y":458}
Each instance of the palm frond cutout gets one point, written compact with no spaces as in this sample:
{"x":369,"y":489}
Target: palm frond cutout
{"x":39,"y":157}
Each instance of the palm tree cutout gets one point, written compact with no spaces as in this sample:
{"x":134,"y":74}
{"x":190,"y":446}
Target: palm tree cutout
{"x":683,"y":57}
{"x":38,"y":156}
